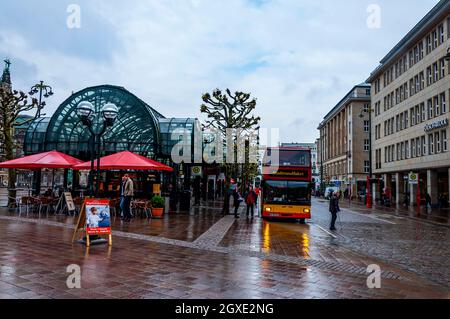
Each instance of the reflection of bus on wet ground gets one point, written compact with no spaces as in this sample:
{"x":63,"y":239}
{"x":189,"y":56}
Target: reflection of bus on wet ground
{"x":286,"y":189}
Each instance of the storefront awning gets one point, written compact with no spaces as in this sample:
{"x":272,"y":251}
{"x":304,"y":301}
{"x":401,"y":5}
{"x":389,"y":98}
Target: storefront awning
{"x":125,"y":161}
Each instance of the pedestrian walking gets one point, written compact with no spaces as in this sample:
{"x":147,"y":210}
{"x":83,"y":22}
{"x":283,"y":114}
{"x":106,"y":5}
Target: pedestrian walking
{"x":250,"y":200}
{"x":127,"y":193}
{"x":237,"y":199}
{"x":427,"y":201}
{"x":333,"y":210}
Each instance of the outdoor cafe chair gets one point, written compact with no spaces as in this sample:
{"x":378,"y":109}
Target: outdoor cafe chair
{"x":44,"y":203}
{"x":27,"y":202}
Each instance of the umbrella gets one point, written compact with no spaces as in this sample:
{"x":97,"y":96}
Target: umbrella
{"x":125,"y":160}
{"x":52,"y":159}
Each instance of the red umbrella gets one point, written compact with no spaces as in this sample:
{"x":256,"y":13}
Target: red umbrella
{"x":52,"y":159}
{"x":125,"y":160}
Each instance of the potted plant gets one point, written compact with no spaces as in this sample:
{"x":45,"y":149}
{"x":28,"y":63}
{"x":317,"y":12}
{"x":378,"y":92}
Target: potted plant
{"x":158,"y":204}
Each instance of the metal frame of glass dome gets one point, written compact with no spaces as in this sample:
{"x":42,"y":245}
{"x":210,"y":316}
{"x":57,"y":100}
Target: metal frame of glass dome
{"x":136,"y":128}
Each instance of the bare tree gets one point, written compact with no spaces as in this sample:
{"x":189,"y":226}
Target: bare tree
{"x":227,"y":111}
{"x":13,"y":103}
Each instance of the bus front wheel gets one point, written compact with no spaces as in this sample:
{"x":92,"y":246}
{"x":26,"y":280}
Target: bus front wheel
{"x":302,"y":221}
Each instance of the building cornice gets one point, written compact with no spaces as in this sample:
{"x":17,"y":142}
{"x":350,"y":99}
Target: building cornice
{"x":439,"y":11}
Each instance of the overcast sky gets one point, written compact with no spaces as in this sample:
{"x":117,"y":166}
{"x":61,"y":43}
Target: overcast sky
{"x":297,"y":57}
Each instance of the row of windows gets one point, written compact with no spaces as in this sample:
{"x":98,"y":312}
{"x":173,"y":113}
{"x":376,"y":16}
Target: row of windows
{"x":436,"y":106}
{"x":433,"y":143}
{"x":433,"y":40}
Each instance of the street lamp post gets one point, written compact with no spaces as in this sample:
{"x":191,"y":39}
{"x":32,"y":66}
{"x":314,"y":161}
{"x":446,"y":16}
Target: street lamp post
{"x":43,"y":89}
{"x":86,"y":112}
{"x":368,"y":182}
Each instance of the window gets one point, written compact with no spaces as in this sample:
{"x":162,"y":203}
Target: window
{"x":417,"y":111}
{"x":418,"y":147}
{"x":366,"y":107}
{"x":437,"y":110}
{"x":429,"y":76}
{"x":398,"y":151}
{"x":429,"y":46}
{"x":430,"y":109}
{"x":412,"y":90}
{"x":401,"y":122}
{"x":366,"y":167}
{"x":443,"y":105}
{"x":413,"y":148}
{"x":441,"y":34}
{"x":416,"y":54}
{"x":442,"y":68}
{"x":405,"y":117}
{"x":430,"y":144}
{"x":422,"y":80}
{"x":444,"y":140}
{"x":366,"y":145}
{"x":437,"y":142}
{"x":402,"y":150}
{"x":366,"y":126}
{"x":385,"y":154}
{"x":421,"y":50}
{"x":412,"y":116}
{"x":422,"y":111}
{"x":435,"y":72}
{"x":406,"y":149}
{"x":435,"y":39}
{"x":424,"y":145}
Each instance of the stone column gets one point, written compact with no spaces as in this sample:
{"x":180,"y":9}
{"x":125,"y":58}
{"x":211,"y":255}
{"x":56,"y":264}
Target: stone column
{"x":398,"y":187}
{"x":432,"y":185}
{"x":412,"y":193}
{"x":448,"y":193}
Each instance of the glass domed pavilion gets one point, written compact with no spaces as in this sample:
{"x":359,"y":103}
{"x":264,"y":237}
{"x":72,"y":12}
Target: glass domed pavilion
{"x":138,"y":128}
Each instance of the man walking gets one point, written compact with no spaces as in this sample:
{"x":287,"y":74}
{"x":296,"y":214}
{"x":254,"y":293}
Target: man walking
{"x":333,"y":210}
{"x":250,"y":200}
{"x":427,"y":201}
{"x":128,"y":192}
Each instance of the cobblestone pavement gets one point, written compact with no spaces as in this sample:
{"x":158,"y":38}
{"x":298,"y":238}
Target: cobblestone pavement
{"x":413,"y":244}
{"x":202,"y":255}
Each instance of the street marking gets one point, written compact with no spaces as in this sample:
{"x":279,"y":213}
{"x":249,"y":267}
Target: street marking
{"x":326,"y":231}
{"x":365,"y":215}
{"x":368,"y":216}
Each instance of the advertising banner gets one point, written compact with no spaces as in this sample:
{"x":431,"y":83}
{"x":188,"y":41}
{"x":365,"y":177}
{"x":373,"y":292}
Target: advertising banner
{"x":98,"y":220}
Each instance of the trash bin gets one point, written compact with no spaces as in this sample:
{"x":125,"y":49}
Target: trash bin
{"x":185,"y":200}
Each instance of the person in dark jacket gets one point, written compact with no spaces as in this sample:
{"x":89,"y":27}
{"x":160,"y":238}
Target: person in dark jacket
{"x":236,"y":202}
{"x":333,"y":210}
{"x":427,"y":201}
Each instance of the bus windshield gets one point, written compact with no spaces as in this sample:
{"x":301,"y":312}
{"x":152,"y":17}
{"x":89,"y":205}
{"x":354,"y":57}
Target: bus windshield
{"x":287,"y":192}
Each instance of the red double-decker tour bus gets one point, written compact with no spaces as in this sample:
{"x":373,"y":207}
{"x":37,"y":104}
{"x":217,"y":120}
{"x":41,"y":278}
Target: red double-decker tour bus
{"x":286,"y":188}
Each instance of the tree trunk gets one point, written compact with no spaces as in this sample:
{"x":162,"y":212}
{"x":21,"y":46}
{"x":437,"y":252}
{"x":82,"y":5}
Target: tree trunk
{"x":226,"y":198}
{"x":8,"y":136}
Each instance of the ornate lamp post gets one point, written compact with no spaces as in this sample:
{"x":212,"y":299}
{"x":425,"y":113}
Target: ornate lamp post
{"x":86,"y":112}
{"x":43,"y":89}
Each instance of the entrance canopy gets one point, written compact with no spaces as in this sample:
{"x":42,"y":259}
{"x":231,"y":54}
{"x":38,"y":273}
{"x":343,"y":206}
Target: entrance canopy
{"x":52,"y":159}
{"x":124,"y":161}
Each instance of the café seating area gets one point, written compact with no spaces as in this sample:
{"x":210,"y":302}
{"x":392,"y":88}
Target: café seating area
{"x":46,"y":206}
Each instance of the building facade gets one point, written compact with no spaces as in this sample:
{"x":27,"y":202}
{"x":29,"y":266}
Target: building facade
{"x":410,"y":103}
{"x":344,"y":141}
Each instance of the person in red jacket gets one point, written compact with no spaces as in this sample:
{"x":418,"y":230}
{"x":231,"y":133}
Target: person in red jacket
{"x":250,"y":200}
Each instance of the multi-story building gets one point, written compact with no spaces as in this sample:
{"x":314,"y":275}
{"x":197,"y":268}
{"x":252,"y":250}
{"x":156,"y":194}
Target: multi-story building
{"x":344,"y":141}
{"x":410,"y":103}
{"x":313,"y":148}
